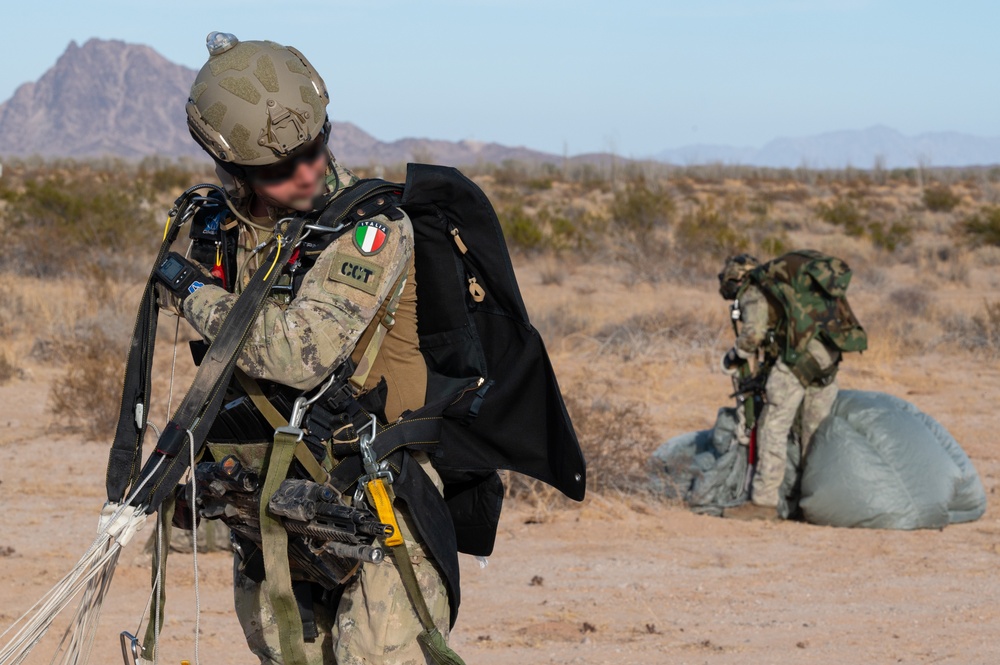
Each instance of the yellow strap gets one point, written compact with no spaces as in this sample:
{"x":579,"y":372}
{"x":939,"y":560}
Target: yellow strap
{"x":379,"y":496}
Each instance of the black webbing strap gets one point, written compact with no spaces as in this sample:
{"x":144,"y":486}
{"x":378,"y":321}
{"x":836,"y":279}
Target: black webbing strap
{"x":126,"y":450}
{"x":417,"y":434}
{"x":196,"y":413}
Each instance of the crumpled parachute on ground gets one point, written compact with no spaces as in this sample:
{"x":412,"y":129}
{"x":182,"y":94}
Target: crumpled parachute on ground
{"x":877,"y":462}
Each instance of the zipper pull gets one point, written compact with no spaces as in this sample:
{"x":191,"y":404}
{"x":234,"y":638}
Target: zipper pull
{"x":458,"y":241}
{"x":477,"y":291}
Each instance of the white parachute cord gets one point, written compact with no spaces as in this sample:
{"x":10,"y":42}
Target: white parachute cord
{"x":194,"y":550}
{"x":157,"y":589}
{"x":100,"y":558}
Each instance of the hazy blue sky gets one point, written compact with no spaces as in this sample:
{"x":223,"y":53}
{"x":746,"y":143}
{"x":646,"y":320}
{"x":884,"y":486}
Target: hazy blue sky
{"x":632,"y":76}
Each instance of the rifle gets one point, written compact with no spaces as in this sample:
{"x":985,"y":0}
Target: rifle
{"x":327,"y":537}
{"x":748,"y":389}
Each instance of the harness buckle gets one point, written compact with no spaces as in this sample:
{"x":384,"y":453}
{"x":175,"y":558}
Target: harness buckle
{"x":373,"y":470}
{"x":297,"y":432}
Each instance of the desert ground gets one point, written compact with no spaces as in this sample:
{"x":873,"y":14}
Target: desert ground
{"x":618,"y":274}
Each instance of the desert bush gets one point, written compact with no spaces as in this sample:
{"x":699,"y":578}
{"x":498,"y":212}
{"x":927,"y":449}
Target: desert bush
{"x":910,"y":300}
{"x":640,"y":206}
{"x":520,"y":229}
{"x":12,"y":310}
{"x":940,"y":198}
{"x":890,"y":236}
{"x":849,"y":213}
{"x":558,"y":322}
{"x":983,"y":227}
{"x":8,"y":370}
{"x":616,"y":440}
{"x":979,"y":333}
{"x":653,"y":333}
{"x":846,"y":213}
{"x":707,"y":230}
{"x":88,"y":395}
{"x":96,"y":223}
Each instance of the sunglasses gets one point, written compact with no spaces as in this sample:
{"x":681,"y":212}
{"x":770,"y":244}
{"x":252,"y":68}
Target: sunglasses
{"x":283,"y":170}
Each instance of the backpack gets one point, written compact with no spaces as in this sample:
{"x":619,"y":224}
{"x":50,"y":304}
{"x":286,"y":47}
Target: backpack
{"x":809,"y":291}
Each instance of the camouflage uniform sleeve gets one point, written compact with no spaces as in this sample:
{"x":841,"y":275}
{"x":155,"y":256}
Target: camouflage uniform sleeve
{"x":754,"y":320}
{"x":301,"y":344}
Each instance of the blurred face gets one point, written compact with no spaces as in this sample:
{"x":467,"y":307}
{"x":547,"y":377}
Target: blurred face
{"x":298,"y":190}
{"x":293,"y":182}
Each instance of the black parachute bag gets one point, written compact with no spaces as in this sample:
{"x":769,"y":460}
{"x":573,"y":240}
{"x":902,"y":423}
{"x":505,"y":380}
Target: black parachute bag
{"x":473,"y":325}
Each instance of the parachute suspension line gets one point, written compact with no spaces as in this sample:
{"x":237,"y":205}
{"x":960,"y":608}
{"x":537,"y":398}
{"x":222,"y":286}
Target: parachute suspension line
{"x":115,"y":530}
{"x":158,"y":590}
{"x":194,"y":550}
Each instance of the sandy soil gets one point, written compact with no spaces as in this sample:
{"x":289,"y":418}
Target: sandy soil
{"x":614,"y":580}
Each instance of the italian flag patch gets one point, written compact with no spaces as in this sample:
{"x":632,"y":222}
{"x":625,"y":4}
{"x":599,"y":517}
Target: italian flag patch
{"x":369,"y":237}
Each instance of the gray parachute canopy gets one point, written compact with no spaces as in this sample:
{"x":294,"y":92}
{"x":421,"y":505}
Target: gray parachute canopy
{"x":876,"y":462}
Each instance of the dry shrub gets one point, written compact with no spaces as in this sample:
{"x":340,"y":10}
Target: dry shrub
{"x":62,"y":223}
{"x":940,"y":198}
{"x":641,"y":206}
{"x":616,"y":440}
{"x":552,"y":274}
{"x":8,"y":370}
{"x":983,"y":227}
{"x":910,"y":300}
{"x":852,"y":213}
{"x":979,"y":333}
{"x":661,"y":332}
{"x":88,"y":396}
{"x":12,"y":311}
{"x":559,"y":322}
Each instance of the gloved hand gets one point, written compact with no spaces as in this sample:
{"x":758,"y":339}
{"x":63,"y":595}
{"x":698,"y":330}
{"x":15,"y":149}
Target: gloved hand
{"x":731,"y":362}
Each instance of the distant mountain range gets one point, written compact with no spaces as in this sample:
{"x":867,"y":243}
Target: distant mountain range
{"x":860,"y":149}
{"x":126,"y":100}
{"x":109,"y":98}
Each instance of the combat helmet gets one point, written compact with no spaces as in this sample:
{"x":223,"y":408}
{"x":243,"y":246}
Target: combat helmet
{"x":733,"y":272}
{"x":256,"y":103}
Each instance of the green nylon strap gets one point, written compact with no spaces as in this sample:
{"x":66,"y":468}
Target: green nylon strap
{"x":276,"y":420}
{"x":274,"y":546}
{"x":431,"y":637}
{"x":155,"y":625}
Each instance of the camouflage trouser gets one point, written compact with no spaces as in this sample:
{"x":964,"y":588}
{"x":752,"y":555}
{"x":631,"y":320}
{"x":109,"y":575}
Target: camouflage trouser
{"x":785,"y":393}
{"x":375,"y":623}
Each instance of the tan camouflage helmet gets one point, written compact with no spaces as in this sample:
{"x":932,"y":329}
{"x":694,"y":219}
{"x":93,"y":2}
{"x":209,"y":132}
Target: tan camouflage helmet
{"x":731,"y":278}
{"x":256,"y":102}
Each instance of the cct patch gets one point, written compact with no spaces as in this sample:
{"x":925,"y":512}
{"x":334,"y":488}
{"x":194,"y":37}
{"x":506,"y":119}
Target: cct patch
{"x":356,"y":272}
{"x":370,"y":237}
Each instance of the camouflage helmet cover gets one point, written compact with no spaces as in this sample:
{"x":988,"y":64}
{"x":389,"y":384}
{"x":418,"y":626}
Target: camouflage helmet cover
{"x":255,"y":102}
{"x":731,"y":278}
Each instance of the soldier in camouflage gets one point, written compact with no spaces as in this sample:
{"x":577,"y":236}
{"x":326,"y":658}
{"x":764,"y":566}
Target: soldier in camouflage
{"x":259,"y":109}
{"x":787,"y":388}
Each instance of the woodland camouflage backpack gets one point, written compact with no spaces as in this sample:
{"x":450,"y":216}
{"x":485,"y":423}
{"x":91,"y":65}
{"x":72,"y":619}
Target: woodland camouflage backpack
{"x":809,"y":290}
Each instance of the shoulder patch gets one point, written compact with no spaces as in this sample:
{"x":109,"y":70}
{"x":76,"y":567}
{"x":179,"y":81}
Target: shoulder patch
{"x":370,"y":237}
{"x":357,"y":272}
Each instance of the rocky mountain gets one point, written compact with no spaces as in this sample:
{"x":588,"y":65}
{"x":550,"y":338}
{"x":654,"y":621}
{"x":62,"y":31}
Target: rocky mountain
{"x":109,"y":98}
{"x":102,"y":98}
{"x":859,"y":149}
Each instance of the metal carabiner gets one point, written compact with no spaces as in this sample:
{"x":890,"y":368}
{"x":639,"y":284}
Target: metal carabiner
{"x":131,"y":648}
